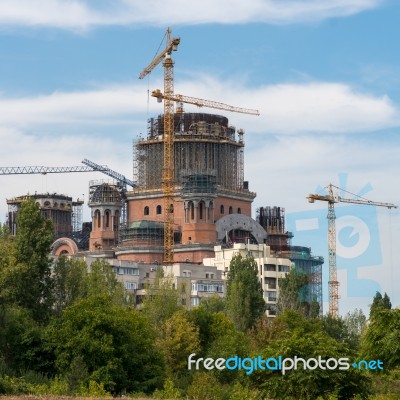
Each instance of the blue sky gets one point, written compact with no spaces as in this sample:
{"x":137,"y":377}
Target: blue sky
{"x":325,"y":75}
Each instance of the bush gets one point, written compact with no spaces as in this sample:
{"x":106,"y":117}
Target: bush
{"x":168,"y":392}
{"x":13,"y":385}
{"x":205,"y":386}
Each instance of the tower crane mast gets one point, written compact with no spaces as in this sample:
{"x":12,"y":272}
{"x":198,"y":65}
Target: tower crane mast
{"x":332,"y":198}
{"x":168,"y":163}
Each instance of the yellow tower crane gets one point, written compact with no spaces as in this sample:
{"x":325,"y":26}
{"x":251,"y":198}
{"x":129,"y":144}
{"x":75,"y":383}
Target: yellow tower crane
{"x":332,"y":198}
{"x":168,"y":163}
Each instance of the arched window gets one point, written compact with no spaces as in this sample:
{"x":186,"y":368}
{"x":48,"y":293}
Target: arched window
{"x":201,"y":206}
{"x":222,"y":209}
{"x":191,"y":210}
{"x":97,"y":218}
{"x":230,"y":210}
{"x":239,"y":211}
{"x":158,"y":209}
{"x":146,"y":210}
{"x":107,"y":215}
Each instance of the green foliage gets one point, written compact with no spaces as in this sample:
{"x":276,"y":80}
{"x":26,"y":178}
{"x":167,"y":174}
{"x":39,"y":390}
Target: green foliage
{"x":70,"y":282}
{"x":337,"y":328}
{"x":114,"y":342}
{"x":307,"y":339}
{"x":12,"y":385}
{"x":379,"y":303}
{"x":205,"y":386}
{"x":244,"y":296}
{"x":33,"y":242}
{"x":293,"y":294}
{"x":178,"y":339}
{"x":102,"y":281}
{"x":213,"y":304}
{"x":240,"y":392}
{"x":382,"y":337}
{"x":168,"y":392}
{"x":22,"y":342}
{"x":162,"y":300}
{"x":93,"y":389}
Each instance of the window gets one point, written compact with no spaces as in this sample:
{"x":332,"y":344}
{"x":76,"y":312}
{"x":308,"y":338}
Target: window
{"x":201,"y":210}
{"x":158,"y":209}
{"x":127,"y":271}
{"x":222,"y":209}
{"x":239,"y":210}
{"x":130,"y":285}
{"x":97,"y":217}
{"x":271,"y":282}
{"x":269,"y":267}
{"x":283,"y":268}
{"x":191,"y":211}
{"x":230,"y":210}
{"x":270,"y":295}
{"x":146,"y":211}
{"x":208,"y":287}
{"x":195,"y":301}
{"x":107,"y":214}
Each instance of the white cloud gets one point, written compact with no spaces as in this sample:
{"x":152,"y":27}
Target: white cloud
{"x":81,"y":15}
{"x":286,"y":108}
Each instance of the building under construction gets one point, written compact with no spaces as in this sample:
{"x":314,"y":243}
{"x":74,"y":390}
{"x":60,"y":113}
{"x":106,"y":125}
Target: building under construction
{"x":65,"y":213}
{"x":209,"y":185}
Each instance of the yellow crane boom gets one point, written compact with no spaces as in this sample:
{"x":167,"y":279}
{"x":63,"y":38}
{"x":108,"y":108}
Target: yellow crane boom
{"x":332,"y":198}
{"x":168,"y":162}
{"x":179,"y":98}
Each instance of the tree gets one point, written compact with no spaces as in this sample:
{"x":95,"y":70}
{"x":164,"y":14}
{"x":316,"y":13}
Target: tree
{"x":179,"y":338}
{"x":33,"y":243}
{"x":244,"y":296}
{"x":293,"y":294}
{"x":306,"y":339}
{"x":355,"y":322}
{"x":113,"y":343}
{"x":70,"y":282}
{"x":101,"y":280}
{"x":161,"y":300}
{"x":381,"y":338}
{"x":379,"y":303}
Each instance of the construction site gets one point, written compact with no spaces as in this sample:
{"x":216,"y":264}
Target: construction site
{"x":187,"y":202}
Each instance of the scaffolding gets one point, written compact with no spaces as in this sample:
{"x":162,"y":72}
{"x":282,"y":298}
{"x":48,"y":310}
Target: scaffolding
{"x":77,"y":219}
{"x":53,"y":206}
{"x":311,"y":265}
{"x":203,"y":143}
{"x":272,"y":219}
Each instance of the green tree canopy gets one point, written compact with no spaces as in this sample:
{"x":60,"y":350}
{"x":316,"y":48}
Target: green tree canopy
{"x":32,"y":282}
{"x":114,"y":343}
{"x":379,"y":303}
{"x":244,"y":297}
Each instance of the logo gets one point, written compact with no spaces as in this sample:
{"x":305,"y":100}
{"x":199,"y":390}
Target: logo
{"x":280,"y":364}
